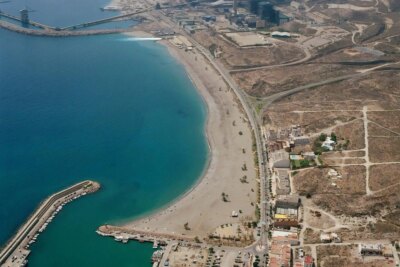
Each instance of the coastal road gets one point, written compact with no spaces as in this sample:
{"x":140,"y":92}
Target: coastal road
{"x":254,"y":123}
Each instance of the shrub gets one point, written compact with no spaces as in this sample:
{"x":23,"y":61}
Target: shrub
{"x":322,"y":137}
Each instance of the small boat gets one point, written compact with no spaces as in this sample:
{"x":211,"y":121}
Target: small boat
{"x":110,"y":8}
{"x":155,"y":244}
{"x":118,"y":238}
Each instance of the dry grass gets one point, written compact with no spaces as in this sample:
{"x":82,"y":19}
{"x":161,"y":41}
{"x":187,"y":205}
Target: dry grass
{"x":341,"y":255}
{"x":354,"y":132}
{"x":387,"y":119}
{"x":380,"y":88}
{"x":261,"y":83}
{"x":311,"y":236}
{"x":331,"y":254}
{"x":311,"y":122}
{"x":354,"y":161}
{"x":360,"y":205}
{"x":317,"y":182}
{"x":343,"y":153}
{"x":383,"y":149}
{"x":313,"y":181}
{"x":382,"y":176}
{"x":337,"y":161}
{"x":355,"y":153}
{"x":321,"y":222}
{"x":378,"y":231}
{"x":393,"y":218}
{"x":353,"y":180}
{"x":375,"y":130}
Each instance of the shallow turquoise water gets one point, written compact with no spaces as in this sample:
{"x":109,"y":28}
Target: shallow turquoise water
{"x":119,"y":112}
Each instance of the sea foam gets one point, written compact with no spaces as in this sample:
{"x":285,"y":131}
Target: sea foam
{"x":136,"y":39}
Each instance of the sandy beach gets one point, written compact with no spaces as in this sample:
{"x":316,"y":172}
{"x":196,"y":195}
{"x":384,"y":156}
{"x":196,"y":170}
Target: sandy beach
{"x":230,"y":142}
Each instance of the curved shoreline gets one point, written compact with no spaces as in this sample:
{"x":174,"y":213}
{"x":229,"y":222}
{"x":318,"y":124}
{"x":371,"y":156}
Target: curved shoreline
{"x":222,"y":171}
{"x":206,"y":129}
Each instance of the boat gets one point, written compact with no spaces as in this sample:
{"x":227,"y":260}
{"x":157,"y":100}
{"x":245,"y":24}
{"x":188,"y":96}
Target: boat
{"x":157,"y":255}
{"x":110,"y":8}
{"x":118,"y":238}
{"x":155,"y":244}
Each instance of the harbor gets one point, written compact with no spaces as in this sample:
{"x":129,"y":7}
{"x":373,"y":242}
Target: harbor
{"x":72,"y":30}
{"x":16,"y":251}
{"x":162,"y":243}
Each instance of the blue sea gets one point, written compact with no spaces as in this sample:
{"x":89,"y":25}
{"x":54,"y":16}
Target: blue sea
{"x":106,"y":108}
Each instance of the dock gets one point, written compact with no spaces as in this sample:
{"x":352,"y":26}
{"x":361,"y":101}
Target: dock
{"x":122,"y":233}
{"x":16,"y":250}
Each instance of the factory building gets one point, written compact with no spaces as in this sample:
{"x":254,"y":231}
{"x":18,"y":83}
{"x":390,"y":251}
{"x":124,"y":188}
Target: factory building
{"x":266,"y":11}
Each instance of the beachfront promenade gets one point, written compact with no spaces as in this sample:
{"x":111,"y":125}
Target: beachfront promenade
{"x":16,"y":251}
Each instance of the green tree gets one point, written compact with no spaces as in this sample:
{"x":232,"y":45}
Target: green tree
{"x":304,"y":163}
{"x":333,"y":137}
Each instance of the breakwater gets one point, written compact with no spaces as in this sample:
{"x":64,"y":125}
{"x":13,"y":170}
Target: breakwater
{"x":46,"y":30}
{"x":16,"y":251}
{"x":52,"y":33}
{"x":121,"y":234}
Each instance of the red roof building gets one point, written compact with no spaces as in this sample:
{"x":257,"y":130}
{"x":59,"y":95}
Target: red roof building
{"x":308,"y":261}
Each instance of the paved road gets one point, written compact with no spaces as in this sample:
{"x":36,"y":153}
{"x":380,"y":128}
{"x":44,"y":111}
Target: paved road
{"x":254,"y":123}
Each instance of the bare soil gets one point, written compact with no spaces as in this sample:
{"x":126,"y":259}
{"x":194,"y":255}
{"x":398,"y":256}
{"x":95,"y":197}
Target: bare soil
{"x":235,"y":57}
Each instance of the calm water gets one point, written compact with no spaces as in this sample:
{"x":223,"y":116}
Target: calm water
{"x":61,"y":13}
{"x":119,"y":112}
